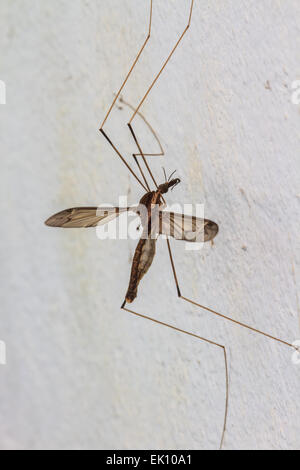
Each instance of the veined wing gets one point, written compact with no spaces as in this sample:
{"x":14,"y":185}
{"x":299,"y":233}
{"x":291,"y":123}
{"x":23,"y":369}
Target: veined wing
{"x":187,"y":227}
{"x":86,"y":216}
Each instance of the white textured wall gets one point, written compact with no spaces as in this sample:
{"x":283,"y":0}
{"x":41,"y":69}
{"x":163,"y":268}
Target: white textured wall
{"x":80,"y":372}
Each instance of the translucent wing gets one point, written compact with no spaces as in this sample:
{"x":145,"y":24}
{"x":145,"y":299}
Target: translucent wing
{"x":186,"y":227}
{"x":86,"y":216}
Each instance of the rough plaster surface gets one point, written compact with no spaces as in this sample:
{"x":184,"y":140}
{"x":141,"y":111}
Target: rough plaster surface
{"x":81,"y":373}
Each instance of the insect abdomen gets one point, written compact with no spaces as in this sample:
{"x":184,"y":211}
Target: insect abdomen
{"x":142,"y":261}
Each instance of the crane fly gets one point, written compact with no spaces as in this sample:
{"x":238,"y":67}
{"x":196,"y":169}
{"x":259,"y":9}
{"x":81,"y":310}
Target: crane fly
{"x":155,"y":222}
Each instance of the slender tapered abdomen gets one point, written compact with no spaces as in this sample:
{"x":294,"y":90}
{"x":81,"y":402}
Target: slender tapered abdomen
{"x":142,"y":260}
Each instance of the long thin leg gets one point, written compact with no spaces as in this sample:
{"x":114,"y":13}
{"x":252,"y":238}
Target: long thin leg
{"x":150,"y":88}
{"x":201,"y":339}
{"x":144,"y":159}
{"x":161,"y":153}
{"x":145,"y":96}
{"x":141,"y":171}
{"x":116,"y":97}
{"x":123,"y":160}
{"x":143,"y":154}
{"x":165,"y":63}
{"x":131,"y":68}
{"x":217,"y":313}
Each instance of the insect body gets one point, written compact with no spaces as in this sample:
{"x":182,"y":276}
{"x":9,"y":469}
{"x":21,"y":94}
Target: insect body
{"x":145,"y":251}
{"x":154,"y":220}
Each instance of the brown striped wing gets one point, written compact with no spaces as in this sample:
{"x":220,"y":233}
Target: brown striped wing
{"x":79,"y":217}
{"x":186,"y":227}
